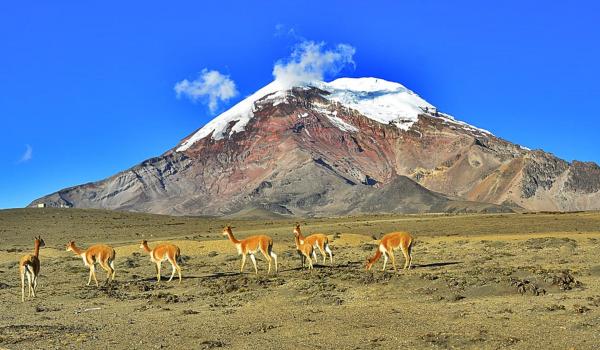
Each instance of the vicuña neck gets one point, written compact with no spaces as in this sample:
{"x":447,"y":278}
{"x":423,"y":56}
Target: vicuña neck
{"x":300,"y":236}
{"x":36,"y":248}
{"x":232,"y":238}
{"x":375,"y":257}
{"x":76,"y":250}
{"x":146,"y":248}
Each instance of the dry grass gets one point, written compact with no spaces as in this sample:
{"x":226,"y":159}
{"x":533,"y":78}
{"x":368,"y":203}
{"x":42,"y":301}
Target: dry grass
{"x":518,"y":281}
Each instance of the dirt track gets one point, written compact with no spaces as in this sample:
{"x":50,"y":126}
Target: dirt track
{"x":481,"y":290}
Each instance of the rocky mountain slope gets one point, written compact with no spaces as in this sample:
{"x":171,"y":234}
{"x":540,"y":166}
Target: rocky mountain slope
{"x":346,"y":147}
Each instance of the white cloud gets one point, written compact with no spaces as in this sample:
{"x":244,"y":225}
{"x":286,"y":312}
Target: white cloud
{"x":27,"y":155}
{"x":211,"y":87}
{"x":311,"y":61}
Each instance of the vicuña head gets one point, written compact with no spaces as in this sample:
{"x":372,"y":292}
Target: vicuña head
{"x":227,"y":230}
{"x":71,"y":246}
{"x":370,"y":261}
{"x":39,"y":241}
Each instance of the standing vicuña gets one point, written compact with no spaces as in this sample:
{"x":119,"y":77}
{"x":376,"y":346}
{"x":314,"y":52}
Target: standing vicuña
{"x":317,"y":240}
{"x":305,"y":250}
{"x":161,"y":253}
{"x":250,"y":246}
{"x":99,"y":253}
{"x":389,"y":243}
{"x":29,"y":266}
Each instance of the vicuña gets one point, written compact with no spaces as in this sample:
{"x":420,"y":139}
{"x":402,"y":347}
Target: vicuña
{"x":318,"y":241}
{"x":29,"y":266}
{"x":161,"y":253}
{"x":251,"y":245}
{"x":387,"y":245}
{"x":99,"y":253}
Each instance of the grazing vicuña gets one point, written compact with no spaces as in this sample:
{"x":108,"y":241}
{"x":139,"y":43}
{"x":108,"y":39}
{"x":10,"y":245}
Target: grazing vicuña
{"x":387,"y":245}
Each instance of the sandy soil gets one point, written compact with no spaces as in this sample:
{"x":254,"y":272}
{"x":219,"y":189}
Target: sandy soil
{"x":479,"y":282}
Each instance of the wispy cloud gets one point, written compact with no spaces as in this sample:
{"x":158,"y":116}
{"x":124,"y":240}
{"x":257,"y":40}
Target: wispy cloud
{"x":211,"y":87}
{"x":27,"y":155}
{"x":311,"y":61}
{"x":282,"y":30}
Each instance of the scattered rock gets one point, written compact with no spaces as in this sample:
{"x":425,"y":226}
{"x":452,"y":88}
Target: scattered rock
{"x":555,"y":307}
{"x":564,"y":280}
{"x":212,"y":344}
{"x":581,"y":309}
{"x":524,"y":286}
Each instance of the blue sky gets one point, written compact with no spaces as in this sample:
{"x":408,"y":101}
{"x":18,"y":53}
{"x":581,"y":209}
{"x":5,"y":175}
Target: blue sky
{"x":87,"y":90}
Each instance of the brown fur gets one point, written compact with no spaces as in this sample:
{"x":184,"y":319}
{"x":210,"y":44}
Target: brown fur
{"x":305,"y":250}
{"x":318,"y":240}
{"x":163,"y":252}
{"x":390,"y":242}
{"x":250,"y":246}
{"x":99,"y":253}
{"x":29,"y":265}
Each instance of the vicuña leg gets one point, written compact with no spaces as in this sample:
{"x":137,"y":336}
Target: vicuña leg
{"x":243,"y":263}
{"x":173,"y":264}
{"x":407,"y":258}
{"x":253,"y":258}
{"x":23,"y":285}
{"x":274,"y":256}
{"x":109,"y":272}
{"x":328,"y":250}
{"x":112,"y":266}
{"x":322,"y":251}
{"x":385,"y":259}
{"x":393,"y":257}
{"x":92,"y":275}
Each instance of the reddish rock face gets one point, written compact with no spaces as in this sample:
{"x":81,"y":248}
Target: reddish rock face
{"x":294,"y":158}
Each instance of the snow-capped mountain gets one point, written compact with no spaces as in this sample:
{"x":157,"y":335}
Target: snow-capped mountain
{"x":380,"y":100}
{"x":353,"y":145}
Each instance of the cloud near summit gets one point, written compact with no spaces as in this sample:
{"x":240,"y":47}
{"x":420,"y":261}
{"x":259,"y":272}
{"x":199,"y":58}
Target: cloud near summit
{"x":309,"y":61}
{"x":312,"y":61}
{"x":211,"y":87}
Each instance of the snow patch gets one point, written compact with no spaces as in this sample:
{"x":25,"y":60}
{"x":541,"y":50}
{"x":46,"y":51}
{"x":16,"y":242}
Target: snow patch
{"x":380,"y":100}
{"x":240,"y":114}
{"x":340,"y":124}
{"x":450,"y":119}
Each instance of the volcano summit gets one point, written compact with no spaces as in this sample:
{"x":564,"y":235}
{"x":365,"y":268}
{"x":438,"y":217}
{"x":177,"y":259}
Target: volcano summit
{"x":350,"y":146}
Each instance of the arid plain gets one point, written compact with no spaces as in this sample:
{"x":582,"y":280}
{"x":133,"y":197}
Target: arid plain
{"x":516,"y":281}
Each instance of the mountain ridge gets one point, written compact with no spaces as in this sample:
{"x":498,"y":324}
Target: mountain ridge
{"x":327,"y":148}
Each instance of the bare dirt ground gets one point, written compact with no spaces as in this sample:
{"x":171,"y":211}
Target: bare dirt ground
{"x":516,"y":281}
